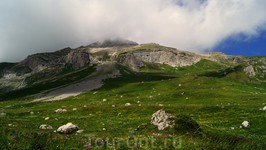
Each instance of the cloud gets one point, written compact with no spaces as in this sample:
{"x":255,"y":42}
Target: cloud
{"x":28,"y":26}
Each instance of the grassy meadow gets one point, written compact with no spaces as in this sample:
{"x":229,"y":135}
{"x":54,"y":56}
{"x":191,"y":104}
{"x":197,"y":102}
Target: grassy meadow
{"x":217,"y":101}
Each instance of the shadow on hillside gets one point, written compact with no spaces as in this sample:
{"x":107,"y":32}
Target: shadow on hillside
{"x":112,"y":83}
{"x":222,"y":72}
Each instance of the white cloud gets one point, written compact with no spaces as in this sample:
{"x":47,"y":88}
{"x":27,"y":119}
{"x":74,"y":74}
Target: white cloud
{"x":28,"y":26}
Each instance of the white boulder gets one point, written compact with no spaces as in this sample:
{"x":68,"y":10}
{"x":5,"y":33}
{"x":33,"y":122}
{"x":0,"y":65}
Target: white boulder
{"x":58,"y":111}
{"x":264,"y":108}
{"x":104,"y":100}
{"x":161,"y":119}
{"x":68,"y":128}
{"x":46,"y":118}
{"x":80,"y":131}
{"x":245,"y":123}
{"x":44,"y":126}
{"x":74,"y":108}
{"x":127,"y":104}
{"x":32,"y":113}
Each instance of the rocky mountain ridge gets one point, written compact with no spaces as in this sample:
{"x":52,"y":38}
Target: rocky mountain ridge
{"x":44,"y":65}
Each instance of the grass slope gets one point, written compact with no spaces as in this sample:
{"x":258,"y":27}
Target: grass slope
{"x":217,"y":101}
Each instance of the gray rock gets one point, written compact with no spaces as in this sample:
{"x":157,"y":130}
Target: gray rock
{"x":161,"y":119}
{"x":175,"y":59}
{"x":250,"y":70}
{"x":68,"y":128}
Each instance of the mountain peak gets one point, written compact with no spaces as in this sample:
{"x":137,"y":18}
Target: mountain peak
{"x":118,"y":42}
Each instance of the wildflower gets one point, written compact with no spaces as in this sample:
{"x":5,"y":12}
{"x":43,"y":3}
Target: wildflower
{"x":72,"y":148}
{"x":46,"y":147}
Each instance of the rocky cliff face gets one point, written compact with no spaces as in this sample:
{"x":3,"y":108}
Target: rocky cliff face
{"x":174,"y":59}
{"x":78,"y":57}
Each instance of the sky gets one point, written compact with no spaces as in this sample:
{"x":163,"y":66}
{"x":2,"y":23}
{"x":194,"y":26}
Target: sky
{"x":234,"y":27}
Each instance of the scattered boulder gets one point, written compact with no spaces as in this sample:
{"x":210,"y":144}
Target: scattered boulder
{"x":264,"y":108}
{"x":44,"y":126}
{"x":104,"y":100}
{"x":162,"y":120}
{"x":68,"y":128}
{"x":80,"y":131}
{"x":127,"y":104}
{"x":85,"y":105}
{"x":46,"y":118}
{"x":113,"y":105}
{"x":245,"y":123}
{"x":31,"y":113}
{"x":74,"y":108}
{"x":60,"y":110}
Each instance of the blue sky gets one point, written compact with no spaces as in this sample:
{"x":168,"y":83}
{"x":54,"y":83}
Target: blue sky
{"x":251,"y":47}
{"x":235,"y":27}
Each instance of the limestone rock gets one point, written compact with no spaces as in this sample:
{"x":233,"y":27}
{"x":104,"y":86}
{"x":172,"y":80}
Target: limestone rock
{"x":78,"y":57}
{"x":245,"y":123}
{"x":161,"y":119}
{"x":68,"y":128}
{"x":175,"y":59}
{"x":60,"y":110}
{"x":127,"y":104}
{"x":250,"y":70}
{"x":80,"y":131}
{"x":44,"y":126}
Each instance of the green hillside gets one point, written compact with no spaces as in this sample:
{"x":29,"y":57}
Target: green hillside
{"x":217,"y":96}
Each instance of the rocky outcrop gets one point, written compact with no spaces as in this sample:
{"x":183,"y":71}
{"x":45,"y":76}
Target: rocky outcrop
{"x":175,"y":59}
{"x":250,"y":70}
{"x":42,"y":59}
{"x":78,"y":58}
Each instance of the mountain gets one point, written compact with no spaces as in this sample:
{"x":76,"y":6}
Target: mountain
{"x":42,"y":66}
{"x":120,"y":89}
